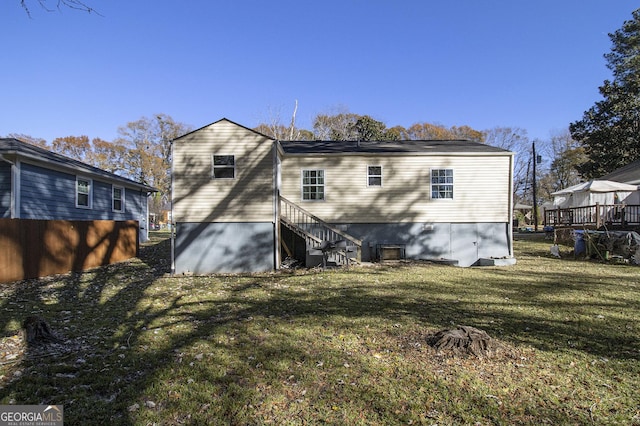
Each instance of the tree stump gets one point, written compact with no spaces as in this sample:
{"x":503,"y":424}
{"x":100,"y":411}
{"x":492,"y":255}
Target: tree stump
{"x":463,"y":339}
{"x":37,"y":331}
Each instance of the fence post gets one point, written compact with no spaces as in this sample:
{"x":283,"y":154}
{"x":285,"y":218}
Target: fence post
{"x":598,"y":218}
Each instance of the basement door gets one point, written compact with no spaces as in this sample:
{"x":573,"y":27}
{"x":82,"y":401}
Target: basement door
{"x":466,"y":243}
{"x":472,"y":241}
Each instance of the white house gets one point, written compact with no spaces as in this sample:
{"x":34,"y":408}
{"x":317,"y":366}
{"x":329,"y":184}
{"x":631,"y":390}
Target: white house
{"x":242,"y":200}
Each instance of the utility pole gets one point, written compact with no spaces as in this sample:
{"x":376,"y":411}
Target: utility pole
{"x":535,"y":197}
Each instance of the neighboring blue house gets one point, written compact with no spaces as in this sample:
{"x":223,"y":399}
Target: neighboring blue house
{"x":38,"y":184}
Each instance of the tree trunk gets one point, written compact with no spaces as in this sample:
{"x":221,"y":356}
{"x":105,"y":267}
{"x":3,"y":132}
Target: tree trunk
{"x":37,"y":331}
{"x":463,"y":339}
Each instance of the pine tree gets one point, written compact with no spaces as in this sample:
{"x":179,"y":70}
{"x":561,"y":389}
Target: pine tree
{"x":610,"y":130}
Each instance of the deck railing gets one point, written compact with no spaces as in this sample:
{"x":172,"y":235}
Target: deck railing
{"x":314,"y":230}
{"x":596,"y":216}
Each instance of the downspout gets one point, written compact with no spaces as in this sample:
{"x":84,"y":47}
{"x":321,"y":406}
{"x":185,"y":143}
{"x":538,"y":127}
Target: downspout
{"x":146,"y":216}
{"x":14,"y":208}
{"x":172,"y":224}
{"x":276,"y":206}
{"x":510,"y":206}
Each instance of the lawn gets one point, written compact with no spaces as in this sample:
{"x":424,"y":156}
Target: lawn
{"x":334,"y":347}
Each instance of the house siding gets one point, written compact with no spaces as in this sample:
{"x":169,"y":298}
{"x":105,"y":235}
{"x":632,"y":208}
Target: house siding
{"x":228,"y":225}
{"x":223,"y":225}
{"x":481,"y":188}
{"x":5,"y":190}
{"x":463,"y":242}
{"x":50,"y":194}
{"x":205,"y":248}
{"x":246,"y":198}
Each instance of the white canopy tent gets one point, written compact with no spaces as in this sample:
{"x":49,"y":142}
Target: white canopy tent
{"x":596,"y":192}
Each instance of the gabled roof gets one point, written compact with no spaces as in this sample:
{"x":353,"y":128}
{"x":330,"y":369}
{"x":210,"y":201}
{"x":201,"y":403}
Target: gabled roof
{"x":220,"y":121}
{"x":25,"y":151}
{"x":391,"y":147}
{"x":627,"y":174}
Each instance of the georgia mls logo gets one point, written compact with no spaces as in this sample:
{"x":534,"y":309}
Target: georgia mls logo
{"x":31,"y":415}
{"x":54,"y":410}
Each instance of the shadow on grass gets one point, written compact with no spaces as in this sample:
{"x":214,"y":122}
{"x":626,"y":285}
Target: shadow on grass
{"x":127,"y":344}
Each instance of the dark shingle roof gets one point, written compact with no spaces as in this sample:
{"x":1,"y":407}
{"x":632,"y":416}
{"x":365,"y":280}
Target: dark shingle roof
{"x":11,"y":146}
{"x":626,"y":174}
{"x":389,"y":147}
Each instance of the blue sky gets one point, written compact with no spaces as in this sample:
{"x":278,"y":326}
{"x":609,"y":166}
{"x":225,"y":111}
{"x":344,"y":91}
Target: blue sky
{"x":535,"y":65}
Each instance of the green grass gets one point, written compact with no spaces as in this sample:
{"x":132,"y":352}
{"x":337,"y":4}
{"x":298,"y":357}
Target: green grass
{"x":336,"y":347}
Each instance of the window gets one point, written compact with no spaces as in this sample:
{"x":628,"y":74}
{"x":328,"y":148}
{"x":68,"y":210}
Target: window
{"x":442,"y":183}
{"x":118,"y":198}
{"x":224,"y":167}
{"x":374,"y":175}
{"x":313,"y":184}
{"x":83,"y":192}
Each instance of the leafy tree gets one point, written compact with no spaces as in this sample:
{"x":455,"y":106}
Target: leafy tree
{"x":144,"y":147}
{"x":567,"y":156}
{"x":147,"y":144}
{"x":395,"y":133}
{"x":368,"y":129}
{"x":305,"y":135}
{"x":77,"y":147}
{"x":610,"y":130}
{"x":29,"y":139}
{"x":426,"y":131}
{"x":429,"y":131}
{"x":466,"y":132}
{"x":107,"y":156}
{"x":346,"y":126}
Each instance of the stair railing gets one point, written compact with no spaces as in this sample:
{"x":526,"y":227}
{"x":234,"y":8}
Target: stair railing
{"x":314,"y":230}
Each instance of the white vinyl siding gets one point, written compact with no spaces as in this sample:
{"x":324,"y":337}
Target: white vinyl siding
{"x":246,"y":198}
{"x":482,"y":188}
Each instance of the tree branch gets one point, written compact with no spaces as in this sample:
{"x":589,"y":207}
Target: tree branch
{"x":59,"y":4}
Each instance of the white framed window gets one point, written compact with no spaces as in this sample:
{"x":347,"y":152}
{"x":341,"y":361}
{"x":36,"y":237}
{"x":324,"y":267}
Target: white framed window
{"x":117,"y":198}
{"x":223,"y":167}
{"x":442,"y":183}
{"x":312,"y":185}
{"x":374,"y":175}
{"x":84,"y":192}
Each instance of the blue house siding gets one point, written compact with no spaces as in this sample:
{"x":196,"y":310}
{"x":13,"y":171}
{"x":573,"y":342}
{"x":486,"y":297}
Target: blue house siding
{"x":49,"y":194}
{"x":135,"y":205}
{"x":5,"y":190}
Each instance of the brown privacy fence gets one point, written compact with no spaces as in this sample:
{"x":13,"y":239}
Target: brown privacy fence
{"x":37,"y":248}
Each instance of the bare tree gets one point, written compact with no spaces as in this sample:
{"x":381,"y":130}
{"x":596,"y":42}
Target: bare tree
{"x":567,"y":155}
{"x":516,"y":140}
{"x":274,"y":128}
{"x":52,"y":5}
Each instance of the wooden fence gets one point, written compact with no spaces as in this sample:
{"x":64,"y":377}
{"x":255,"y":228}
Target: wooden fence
{"x":37,"y":248}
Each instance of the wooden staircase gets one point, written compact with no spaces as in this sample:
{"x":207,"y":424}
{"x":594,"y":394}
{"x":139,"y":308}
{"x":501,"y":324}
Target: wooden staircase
{"x":321,"y":239}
